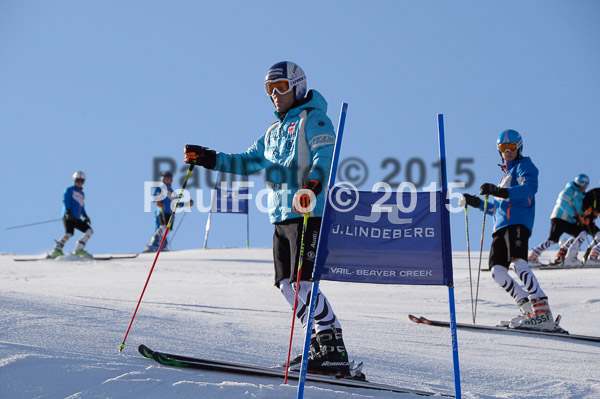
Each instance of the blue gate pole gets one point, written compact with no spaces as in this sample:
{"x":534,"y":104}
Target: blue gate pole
{"x":317,"y":270}
{"x":447,"y":251}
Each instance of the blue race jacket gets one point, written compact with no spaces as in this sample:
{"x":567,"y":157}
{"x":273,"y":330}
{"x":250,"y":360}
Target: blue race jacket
{"x":521,"y":181}
{"x":166,"y":202}
{"x":568,"y":203}
{"x":73,"y":201}
{"x":294,"y":149}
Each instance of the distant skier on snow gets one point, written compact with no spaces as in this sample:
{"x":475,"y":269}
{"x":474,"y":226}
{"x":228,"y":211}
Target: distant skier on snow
{"x":512,"y":203}
{"x":566,"y":218}
{"x":163,"y":212}
{"x":296,"y":151}
{"x":74,"y":217}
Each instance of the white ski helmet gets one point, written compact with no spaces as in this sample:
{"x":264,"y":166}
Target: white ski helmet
{"x":582,"y":180}
{"x":78,"y":175}
{"x":287,"y":70}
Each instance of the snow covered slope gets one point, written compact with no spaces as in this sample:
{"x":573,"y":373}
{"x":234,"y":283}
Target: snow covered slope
{"x":62,"y":322}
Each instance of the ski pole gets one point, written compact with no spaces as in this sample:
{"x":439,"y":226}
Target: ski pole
{"x":485,"y":205}
{"x":32,"y":224}
{"x":162,"y":242}
{"x":469,"y":260}
{"x":212,"y":203}
{"x":287,"y":365}
{"x":177,"y":229}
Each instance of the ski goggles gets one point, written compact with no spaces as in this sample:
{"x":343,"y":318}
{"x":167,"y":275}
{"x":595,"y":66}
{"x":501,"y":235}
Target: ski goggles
{"x":283,"y":85}
{"x":512,"y":147}
{"x":79,"y":180}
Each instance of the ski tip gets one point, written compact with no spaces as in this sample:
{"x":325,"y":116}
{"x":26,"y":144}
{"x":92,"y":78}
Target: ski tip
{"x":414,"y":319}
{"x":145,"y":351}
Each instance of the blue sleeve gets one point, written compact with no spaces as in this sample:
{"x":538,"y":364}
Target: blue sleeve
{"x":68,"y":199}
{"x":527,"y":182}
{"x":491,"y":205}
{"x":567,"y":201}
{"x":245,"y":163}
{"x":320,"y":135}
{"x":157,"y":191}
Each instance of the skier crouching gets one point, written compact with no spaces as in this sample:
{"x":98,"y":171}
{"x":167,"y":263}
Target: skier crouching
{"x":566,"y":218}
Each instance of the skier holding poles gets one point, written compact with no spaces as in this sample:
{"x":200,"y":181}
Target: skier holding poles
{"x":296,"y":152}
{"x":512,"y":203}
{"x":74,"y":217}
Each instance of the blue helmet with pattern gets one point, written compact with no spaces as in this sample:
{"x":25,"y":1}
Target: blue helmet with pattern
{"x":287,"y":70}
{"x":582,"y":181}
{"x":509,"y":136}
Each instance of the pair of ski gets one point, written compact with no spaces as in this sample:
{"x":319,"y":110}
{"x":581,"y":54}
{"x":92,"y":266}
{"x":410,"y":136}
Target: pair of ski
{"x":556,"y":334}
{"x":93,"y":257}
{"x":275,"y":372}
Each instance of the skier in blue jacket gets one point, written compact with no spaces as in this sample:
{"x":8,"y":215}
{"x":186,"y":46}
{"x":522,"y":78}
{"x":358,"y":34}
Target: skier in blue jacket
{"x":512,"y":203}
{"x":162,"y":213}
{"x":296,"y":151}
{"x":74,"y":217}
{"x":567,"y":217}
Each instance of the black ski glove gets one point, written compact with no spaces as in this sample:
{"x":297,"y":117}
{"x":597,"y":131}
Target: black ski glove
{"x":86,"y":219}
{"x":202,"y":156}
{"x":472,"y":200}
{"x":491,"y":189}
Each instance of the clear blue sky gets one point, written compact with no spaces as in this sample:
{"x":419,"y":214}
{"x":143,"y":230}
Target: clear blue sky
{"x":107,"y":86}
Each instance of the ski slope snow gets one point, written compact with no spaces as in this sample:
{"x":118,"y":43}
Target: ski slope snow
{"x":62,"y":322}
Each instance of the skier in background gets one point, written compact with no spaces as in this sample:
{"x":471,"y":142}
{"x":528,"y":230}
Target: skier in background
{"x":512,"y":204}
{"x":74,"y":217}
{"x":162,"y":213}
{"x":566,"y":218}
{"x":590,"y":208}
{"x":297,"y":151}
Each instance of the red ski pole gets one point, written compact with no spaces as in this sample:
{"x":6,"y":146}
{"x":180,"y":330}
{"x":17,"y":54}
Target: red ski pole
{"x":287,"y":365}
{"x":162,"y":242}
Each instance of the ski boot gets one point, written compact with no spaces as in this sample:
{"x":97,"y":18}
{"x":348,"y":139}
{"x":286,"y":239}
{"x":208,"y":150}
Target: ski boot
{"x":593,"y":261}
{"x":526,"y":311}
{"x":55,"y":253}
{"x":150,"y":249}
{"x":332,"y":359}
{"x":560,"y":257}
{"x":533,"y":259}
{"x":572,"y":261}
{"x":541,"y":319}
{"x":82,"y":253}
{"x":313,"y":350}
